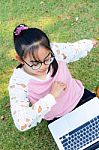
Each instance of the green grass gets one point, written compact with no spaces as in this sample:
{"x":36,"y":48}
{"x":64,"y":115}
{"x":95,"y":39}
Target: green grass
{"x":57,"y":19}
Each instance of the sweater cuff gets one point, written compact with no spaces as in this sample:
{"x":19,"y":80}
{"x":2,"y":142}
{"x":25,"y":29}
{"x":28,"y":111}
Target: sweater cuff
{"x":50,"y":100}
{"x":90,"y":44}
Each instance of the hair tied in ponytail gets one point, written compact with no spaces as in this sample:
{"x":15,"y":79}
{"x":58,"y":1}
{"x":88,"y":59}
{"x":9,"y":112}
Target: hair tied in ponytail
{"x":19,"y":29}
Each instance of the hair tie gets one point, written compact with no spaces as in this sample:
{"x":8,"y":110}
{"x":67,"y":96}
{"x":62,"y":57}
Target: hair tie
{"x":20,"y":28}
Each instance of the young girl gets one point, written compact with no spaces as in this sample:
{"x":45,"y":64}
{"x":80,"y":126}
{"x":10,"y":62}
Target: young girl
{"x":41,"y":87}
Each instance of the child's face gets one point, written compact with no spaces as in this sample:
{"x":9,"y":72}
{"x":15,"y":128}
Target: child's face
{"x":44,"y":55}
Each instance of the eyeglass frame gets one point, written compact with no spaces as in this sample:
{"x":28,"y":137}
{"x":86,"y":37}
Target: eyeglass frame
{"x":53,"y":56}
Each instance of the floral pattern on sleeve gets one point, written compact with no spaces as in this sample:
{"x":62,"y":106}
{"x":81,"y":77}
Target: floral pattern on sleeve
{"x":24,"y":115}
{"x":69,"y":52}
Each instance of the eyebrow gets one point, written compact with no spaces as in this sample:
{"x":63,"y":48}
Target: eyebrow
{"x":44,"y":58}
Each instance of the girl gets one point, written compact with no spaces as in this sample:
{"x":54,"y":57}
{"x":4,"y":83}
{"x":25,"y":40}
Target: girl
{"x":41,"y":87}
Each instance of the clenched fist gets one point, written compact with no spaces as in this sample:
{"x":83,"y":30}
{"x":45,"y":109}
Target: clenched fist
{"x":57,"y":88}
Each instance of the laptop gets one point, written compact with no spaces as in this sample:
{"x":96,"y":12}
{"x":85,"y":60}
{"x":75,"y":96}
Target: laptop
{"x":79,"y":129}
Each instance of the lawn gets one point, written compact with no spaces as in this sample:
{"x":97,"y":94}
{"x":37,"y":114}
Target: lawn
{"x":62,"y":20}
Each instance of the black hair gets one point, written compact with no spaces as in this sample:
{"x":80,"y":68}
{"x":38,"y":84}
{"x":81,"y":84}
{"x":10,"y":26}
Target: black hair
{"x":30,"y":39}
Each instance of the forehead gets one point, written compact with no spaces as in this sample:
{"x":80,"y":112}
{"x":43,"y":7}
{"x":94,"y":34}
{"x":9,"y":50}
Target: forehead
{"x":42,"y":52}
{"x":39,"y":54}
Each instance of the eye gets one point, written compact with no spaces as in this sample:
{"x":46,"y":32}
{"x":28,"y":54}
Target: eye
{"x":34,"y":63}
{"x":48,"y":59}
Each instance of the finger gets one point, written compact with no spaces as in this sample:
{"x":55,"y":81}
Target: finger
{"x":62,"y":83}
{"x":64,"y":89}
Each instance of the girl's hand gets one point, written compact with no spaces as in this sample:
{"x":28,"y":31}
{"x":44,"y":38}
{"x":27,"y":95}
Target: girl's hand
{"x":95,"y":42}
{"x":57,"y":88}
{"x":97,"y":91}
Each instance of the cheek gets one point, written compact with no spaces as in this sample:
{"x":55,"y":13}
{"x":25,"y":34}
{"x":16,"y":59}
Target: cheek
{"x":35,"y":71}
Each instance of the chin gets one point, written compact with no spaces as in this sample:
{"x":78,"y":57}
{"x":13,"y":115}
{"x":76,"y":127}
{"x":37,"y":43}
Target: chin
{"x":42,"y":72}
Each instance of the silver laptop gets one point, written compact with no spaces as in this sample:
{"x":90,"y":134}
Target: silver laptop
{"x":79,"y":129}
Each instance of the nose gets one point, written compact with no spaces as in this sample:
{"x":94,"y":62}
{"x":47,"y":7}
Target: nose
{"x":43,"y":67}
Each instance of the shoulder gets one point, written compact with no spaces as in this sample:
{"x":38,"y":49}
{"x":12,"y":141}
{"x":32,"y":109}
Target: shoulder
{"x":19,"y":75}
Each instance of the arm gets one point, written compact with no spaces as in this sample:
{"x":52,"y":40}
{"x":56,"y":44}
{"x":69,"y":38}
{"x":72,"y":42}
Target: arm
{"x":69,"y":52}
{"x":25,"y":116}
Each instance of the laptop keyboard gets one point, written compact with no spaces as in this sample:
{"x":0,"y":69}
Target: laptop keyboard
{"x":82,"y":135}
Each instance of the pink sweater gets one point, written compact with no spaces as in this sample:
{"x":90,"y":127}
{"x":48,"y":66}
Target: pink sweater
{"x":68,"y":99}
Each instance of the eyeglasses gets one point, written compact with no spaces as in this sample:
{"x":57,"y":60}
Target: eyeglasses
{"x":35,"y":65}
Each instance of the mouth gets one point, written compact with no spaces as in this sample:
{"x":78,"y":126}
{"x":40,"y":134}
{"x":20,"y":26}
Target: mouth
{"x":41,"y":71}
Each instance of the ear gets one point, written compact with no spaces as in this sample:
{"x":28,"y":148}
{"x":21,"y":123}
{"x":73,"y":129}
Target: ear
{"x":19,"y":59}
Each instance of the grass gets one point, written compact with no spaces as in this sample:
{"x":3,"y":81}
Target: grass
{"x":58,"y":19}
